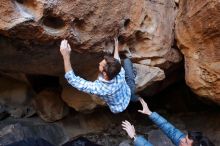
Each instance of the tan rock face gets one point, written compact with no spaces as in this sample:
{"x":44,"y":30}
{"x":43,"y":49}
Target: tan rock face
{"x":78,"y":100}
{"x":18,"y":12}
{"x":198,"y":35}
{"x":49,"y":106}
{"x":31,"y":31}
{"x":147,"y":75}
{"x":145,"y":27}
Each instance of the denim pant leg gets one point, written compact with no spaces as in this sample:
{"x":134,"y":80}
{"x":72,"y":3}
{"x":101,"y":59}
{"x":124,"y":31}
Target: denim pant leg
{"x":129,"y":77}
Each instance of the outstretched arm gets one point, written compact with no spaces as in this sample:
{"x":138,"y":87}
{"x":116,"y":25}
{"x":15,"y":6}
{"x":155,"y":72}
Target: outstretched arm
{"x":76,"y":81}
{"x":145,"y":107}
{"x":174,"y":134}
{"x":65,"y":50}
{"x":128,"y":128}
{"x":138,"y":140}
{"x":116,"y":54}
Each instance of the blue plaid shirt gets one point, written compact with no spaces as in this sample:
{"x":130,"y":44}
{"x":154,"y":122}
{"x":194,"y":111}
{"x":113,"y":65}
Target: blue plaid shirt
{"x":116,"y":93}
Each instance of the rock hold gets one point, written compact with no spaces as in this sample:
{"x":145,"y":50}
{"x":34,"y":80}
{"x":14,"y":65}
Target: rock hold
{"x":147,"y":75}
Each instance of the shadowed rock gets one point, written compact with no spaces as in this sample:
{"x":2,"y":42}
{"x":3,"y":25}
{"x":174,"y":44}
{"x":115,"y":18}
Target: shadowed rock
{"x":49,"y":106}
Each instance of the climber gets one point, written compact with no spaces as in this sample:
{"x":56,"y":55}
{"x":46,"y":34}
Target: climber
{"x":175,"y":135}
{"x":115,"y":84}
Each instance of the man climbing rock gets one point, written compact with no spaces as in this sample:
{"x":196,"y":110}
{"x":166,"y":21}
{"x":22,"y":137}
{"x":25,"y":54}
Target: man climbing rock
{"x":115,"y":84}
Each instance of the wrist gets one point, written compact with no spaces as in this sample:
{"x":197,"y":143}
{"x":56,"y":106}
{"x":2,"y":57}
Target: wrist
{"x":134,"y":137}
{"x":149,"y":113}
{"x":66,"y":57}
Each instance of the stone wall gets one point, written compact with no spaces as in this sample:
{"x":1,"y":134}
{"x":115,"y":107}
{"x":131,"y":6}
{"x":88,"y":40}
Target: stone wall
{"x":198,"y":34}
{"x":31,"y":31}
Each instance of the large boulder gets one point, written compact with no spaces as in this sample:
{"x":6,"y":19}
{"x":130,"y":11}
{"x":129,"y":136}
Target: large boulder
{"x":23,"y":130}
{"x":31,"y":31}
{"x":34,"y":30}
{"x":197,"y":33}
{"x":15,"y":96}
{"x":13,"y":92}
{"x":79,"y":101}
{"x":49,"y":105}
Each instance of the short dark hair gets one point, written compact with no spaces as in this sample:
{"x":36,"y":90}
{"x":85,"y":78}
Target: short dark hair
{"x":199,"y":139}
{"x":112,"y":67}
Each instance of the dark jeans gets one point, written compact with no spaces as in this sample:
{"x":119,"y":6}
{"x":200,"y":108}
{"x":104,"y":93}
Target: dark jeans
{"x":129,"y":77}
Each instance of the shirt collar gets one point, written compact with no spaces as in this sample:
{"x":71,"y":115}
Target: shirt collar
{"x":100,"y":77}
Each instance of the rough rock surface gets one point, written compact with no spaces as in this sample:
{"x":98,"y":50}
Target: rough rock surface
{"x":49,"y":106}
{"x":34,"y":29}
{"x":147,"y":75}
{"x":79,"y":101}
{"x":31,"y":30}
{"x":198,"y":35}
{"x":90,"y":27}
{"x":14,"y":92}
{"x":25,"y":129}
{"x":104,"y":127}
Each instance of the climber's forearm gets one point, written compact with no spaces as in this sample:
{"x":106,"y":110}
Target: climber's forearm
{"x":67,"y":63}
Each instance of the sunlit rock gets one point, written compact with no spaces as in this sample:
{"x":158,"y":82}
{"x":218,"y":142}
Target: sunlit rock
{"x":31,"y":31}
{"x":197,"y":32}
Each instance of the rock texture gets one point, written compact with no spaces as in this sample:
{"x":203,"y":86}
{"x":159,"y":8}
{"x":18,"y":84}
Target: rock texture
{"x":147,"y":75}
{"x":49,"y":106}
{"x":13,"y":92}
{"x":79,"y":101}
{"x":31,"y":129}
{"x":198,"y":35}
{"x":36,"y":28}
{"x":31,"y":31}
